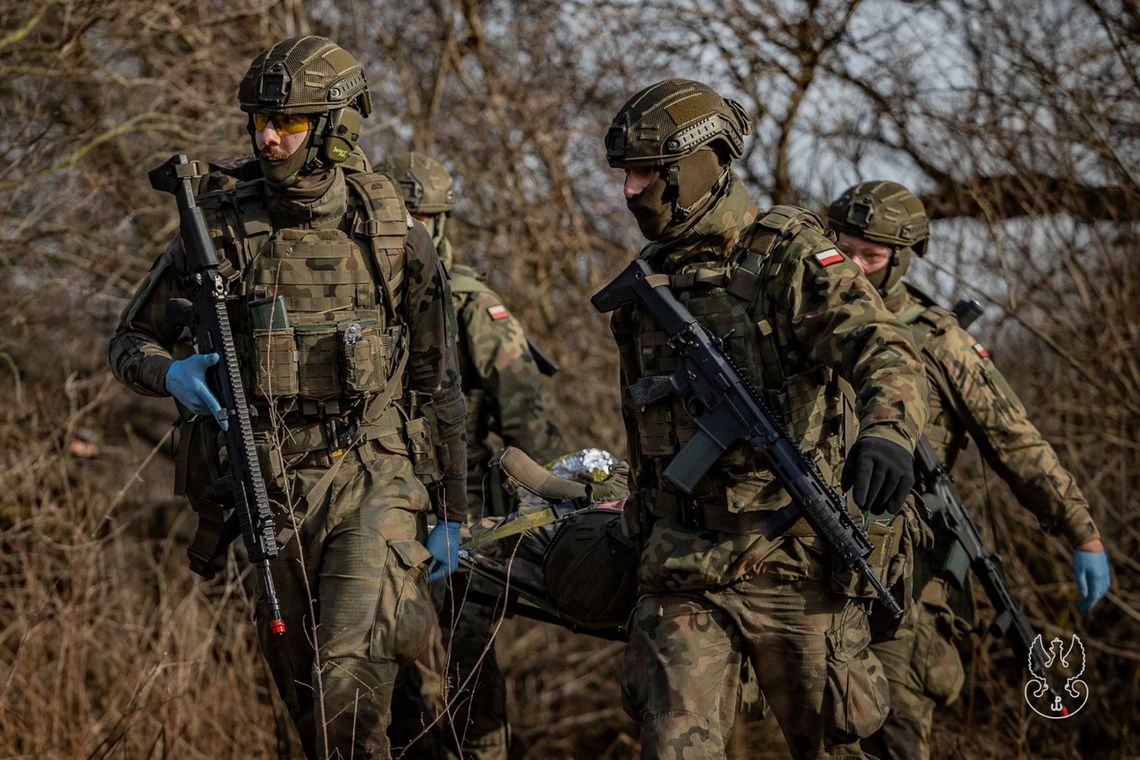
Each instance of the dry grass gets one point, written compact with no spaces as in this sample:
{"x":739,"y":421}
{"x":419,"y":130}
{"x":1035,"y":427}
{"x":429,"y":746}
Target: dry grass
{"x":1026,"y":153}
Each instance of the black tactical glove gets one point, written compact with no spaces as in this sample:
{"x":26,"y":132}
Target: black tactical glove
{"x":881,"y":474}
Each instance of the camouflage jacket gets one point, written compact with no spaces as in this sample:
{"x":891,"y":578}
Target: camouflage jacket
{"x":145,"y":343}
{"x":505,"y":392}
{"x":798,"y":318}
{"x":983,"y":406}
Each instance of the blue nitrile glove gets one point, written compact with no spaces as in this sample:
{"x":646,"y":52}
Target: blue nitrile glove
{"x":186,"y":381}
{"x":1093,"y":579}
{"x":443,"y":543}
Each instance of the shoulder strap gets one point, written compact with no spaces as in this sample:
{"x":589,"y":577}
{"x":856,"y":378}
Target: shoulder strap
{"x":465,"y":280}
{"x":779,"y":223}
{"x":239,"y":225}
{"x":381,"y":219}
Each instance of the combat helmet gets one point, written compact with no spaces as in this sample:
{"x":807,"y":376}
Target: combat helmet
{"x":885,"y":212}
{"x":310,"y":75}
{"x":672,"y":119}
{"x":425,"y":183}
{"x":429,"y":192}
{"x":688,"y":132}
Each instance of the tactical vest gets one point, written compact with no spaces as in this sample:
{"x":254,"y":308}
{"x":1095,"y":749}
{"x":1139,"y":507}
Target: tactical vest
{"x":746,"y":301}
{"x":317,"y":318}
{"x":944,"y":427}
{"x":465,"y":282}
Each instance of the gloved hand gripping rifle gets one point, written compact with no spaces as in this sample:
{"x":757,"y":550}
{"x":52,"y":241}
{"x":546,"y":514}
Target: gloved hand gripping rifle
{"x":210,"y":326}
{"x":726,"y":409}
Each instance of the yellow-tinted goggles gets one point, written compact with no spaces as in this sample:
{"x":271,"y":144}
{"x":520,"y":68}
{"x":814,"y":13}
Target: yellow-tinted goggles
{"x":284,"y":123}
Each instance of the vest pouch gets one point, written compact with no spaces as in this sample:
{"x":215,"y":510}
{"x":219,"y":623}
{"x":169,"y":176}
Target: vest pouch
{"x":318,"y":349}
{"x":276,"y":355}
{"x":421,"y":447}
{"x":656,"y":434}
{"x":366,"y":353}
{"x":891,"y":559}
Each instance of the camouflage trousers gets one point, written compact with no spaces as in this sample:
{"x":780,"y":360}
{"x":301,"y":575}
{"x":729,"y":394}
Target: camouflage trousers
{"x":924,"y":671}
{"x":474,"y":725}
{"x":351,"y":580}
{"x":808,"y":647}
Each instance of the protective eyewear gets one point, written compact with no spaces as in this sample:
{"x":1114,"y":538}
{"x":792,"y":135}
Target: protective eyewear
{"x":284,"y":123}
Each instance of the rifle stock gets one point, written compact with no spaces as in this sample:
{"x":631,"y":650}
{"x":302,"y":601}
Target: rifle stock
{"x":210,"y":327}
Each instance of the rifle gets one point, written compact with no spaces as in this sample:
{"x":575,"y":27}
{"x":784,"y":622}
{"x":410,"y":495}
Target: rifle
{"x":727,"y":409}
{"x":967,"y":552}
{"x":210,"y":327}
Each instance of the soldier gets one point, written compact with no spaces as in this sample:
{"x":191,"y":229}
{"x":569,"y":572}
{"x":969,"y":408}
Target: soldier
{"x":881,"y":226}
{"x":798,"y":318}
{"x":345,"y":330}
{"x":506,"y":399}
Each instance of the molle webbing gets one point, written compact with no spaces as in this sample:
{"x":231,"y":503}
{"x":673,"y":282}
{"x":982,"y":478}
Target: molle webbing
{"x":384,"y":222}
{"x":239,"y":226}
{"x":752,"y":269}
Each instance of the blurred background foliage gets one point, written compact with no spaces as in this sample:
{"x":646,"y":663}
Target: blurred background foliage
{"x":1018,"y":122}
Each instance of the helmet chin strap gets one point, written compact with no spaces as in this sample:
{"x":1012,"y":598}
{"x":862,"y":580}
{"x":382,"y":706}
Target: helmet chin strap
{"x":673,"y":192}
{"x":312,"y":160}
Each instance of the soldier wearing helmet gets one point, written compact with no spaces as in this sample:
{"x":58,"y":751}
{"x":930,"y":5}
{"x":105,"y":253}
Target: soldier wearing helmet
{"x":881,"y":225}
{"x":507,"y":404}
{"x":345,"y":329}
{"x":804,"y":326}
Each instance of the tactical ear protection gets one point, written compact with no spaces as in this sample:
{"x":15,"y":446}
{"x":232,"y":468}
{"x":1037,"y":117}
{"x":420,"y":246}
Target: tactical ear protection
{"x":337,"y":140}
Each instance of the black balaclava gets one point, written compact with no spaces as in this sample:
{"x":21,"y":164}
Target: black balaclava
{"x":678,"y":194}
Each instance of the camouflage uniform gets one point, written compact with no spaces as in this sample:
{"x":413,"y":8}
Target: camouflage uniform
{"x":369,"y":335}
{"x":968,"y":396}
{"x":507,"y":404}
{"x":925,"y":670}
{"x":716,"y":590}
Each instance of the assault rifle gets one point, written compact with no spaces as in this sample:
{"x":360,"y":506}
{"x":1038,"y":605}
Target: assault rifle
{"x":727,"y":409}
{"x":210,"y":326}
{"x":968,"y":552}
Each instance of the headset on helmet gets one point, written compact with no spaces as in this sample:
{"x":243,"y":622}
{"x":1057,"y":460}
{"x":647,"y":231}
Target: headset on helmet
{"x":311,"y":75}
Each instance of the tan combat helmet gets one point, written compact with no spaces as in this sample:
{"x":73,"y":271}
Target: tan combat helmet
{"x":310,"y":75}
{"x":425,"y":183}
{"x":690,"y":134}
{"x":885,"y":212}
{"x":672,"y":119}
{"x":429,"y":191}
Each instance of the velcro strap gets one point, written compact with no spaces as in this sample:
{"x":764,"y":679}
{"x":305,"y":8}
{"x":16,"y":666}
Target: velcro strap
{"x":306,"y":435}
{"x":703,"y":276}
{"x":713,"y":514}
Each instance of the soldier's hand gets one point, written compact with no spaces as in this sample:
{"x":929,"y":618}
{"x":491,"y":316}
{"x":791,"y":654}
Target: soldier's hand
{"x":1093,"y":577}
{"x":443,"y":543}
{"x":186,"y":381}
{"x":881,"y":474}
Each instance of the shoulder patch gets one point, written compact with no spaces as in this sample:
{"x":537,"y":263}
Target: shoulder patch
{"x":828,"y":257}
{"x":981,"y":351}
{"x":497,"y":312}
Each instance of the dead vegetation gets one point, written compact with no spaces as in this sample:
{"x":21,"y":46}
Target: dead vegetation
{"x":1017,"y":123}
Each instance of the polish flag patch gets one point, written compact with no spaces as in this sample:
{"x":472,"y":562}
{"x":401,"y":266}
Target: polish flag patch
{"x":828,"y":257}
{"x":981,"y":351}
{"x":497,"y":312}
